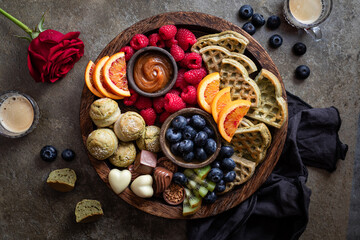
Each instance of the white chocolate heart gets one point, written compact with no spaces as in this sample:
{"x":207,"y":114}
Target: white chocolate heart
{"x":142,"y":186}
{"x":119,"y":180}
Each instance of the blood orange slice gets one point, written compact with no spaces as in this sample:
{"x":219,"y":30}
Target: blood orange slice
{"x":99,"y":80}
{"x":230,"y":117}
{"x":89,"y":81}
{"x":221,"y":99}
{"x":207,"y":89}
{"x":114,"y":72}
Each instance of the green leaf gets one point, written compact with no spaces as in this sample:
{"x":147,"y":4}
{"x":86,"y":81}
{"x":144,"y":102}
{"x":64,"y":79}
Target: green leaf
{"x":22,"y":37}
{"x":40,"y":26}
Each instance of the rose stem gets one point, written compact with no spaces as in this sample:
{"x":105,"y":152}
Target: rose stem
{"x":16,"y":21}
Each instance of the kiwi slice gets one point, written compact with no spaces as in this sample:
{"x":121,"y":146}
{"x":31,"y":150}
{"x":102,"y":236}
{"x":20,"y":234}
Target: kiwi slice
{"x":187,"y":209}
{"x":202,"y":172}
{"x":194,"y":200}
{"x":206,"y":183}
{"x":197,"y":188}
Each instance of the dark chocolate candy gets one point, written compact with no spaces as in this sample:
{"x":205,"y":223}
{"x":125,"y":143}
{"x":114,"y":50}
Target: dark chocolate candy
{"x":145,"y":162}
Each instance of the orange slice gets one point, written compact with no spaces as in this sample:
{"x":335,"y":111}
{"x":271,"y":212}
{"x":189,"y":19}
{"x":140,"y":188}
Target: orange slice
{"x":221,"y":99}
{"x":99,"y":80}
{"x":114,"y":72}
{"x":207,"y":89}
{"x":230,"y":117}
{"x":89,"y":81}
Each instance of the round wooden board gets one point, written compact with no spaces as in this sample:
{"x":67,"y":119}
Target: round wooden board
{"x":200,"y":24}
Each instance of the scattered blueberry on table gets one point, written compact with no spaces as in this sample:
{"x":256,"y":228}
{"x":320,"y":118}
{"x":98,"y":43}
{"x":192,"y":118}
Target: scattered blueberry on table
{"x":245,"y":12}
{"x":275,"y":41}
{"x":302,"y":72}
{"x":273,"y":22}
{"x":258,"y":20}
{"x":68,"y":155}
{"x":48,"y":153}
{"x":249,"y":28}
{"x":299,"y":48}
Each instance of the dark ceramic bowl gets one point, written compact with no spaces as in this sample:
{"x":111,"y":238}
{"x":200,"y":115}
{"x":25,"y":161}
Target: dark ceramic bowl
{"x":165,"y":145}
{"x":130,"y":71}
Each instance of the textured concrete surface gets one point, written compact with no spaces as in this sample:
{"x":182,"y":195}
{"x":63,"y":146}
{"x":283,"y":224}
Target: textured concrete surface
{"x":30,"y":210}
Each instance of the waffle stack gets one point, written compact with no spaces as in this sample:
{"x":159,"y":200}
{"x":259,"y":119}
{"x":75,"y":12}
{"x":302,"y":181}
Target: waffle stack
{"x":223,"y":53}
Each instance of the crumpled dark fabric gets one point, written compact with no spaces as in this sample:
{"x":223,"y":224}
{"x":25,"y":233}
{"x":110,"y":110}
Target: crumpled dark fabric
{"x":279,"y":208}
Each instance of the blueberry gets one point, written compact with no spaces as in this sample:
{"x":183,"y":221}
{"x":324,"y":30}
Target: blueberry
{"x":198,"y":122}
{"x":209,"y":131}
{"x":175,"y":149}
{"x":226,"y":151}
{"x":189,"y":132}
{"x":273,"y":22}
{"x":210,"y":197}
{"x":299,"y":49}
{"x":215,"y":164}
{"x":200,"y":138}
{"x":179,"y":123}
{"x":188,"y":157}
{"x":210,"y":146}
{"x":275,"y":41}
{"x":68,"y":155}
{"x":220,"y":186}
{"x":180,"y":178}
{"x":200,"y":154}
{"x":172,"y":135}
{"x":258,"y":20}
{"x":302,"y":72}
{"x":228,"y":164}
{"x":186,"y":146}
{"x":249,"y":28}
{"x":245,"y":12}
{"x":215,"y":175}
{"x":48,"y":153}
{"x":230,"y":176}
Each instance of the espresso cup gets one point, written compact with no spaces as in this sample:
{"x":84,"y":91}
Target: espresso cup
{"x":19,"y":114}
{"x":307,"y":15}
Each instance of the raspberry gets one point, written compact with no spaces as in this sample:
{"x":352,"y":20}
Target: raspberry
{"x":169,"y":43}
{"x":156,"y":41}
{"x":173,"y":103}
{"x":180,"y":80}
{"x":159,"y":104}
{"x":185,"y":38}
{"x":174,"y":91}
{"x":129,"y":101}
{"x":129,"y":52}
{"x":177,"y":53}
{"x":167,"y":32}
{"x":149,"y":116}
{"x":164,"y":116}
{"x":189,"y":95}
{"x":139,"y":41}
{"x":143,"y":103}
{"x":194,"y":76}
{"x":192,"y":60}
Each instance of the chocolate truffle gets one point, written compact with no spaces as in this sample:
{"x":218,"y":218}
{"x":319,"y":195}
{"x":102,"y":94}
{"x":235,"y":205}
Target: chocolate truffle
{"x":145,"y":162}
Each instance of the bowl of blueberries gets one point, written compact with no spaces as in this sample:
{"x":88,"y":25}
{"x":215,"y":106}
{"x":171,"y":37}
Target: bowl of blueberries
{"x":190,"y":138}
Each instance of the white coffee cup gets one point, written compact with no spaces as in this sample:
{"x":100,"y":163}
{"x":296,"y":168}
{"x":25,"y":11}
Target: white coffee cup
{"x":307,"y":15}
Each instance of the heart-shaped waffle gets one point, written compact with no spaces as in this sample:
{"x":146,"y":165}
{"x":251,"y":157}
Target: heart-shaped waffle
{"x":234,"y":75}
{"x":233,"y":41}
{"x":252,"y":142}
{"x":244,"y":170}
{"x":213,"y":55}
{"x":273,"y":108}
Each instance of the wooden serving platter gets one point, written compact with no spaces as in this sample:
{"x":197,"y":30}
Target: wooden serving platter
{"x":200,"y":24}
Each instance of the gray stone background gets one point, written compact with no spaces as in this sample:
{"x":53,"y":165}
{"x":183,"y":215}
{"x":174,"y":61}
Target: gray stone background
{"x":29,"y":209}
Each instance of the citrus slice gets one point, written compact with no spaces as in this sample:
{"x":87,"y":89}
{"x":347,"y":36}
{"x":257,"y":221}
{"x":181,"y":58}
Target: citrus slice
{"x":89,"y":81}
{"x":207,"y":89}
{"x":221,"y":99}
{"x":99,"y":80}
{"x":114,"y":72}
{"x":230,"y":117}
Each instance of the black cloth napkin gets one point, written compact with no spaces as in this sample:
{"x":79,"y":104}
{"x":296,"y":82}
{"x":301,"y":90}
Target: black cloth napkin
{"x":279,"y":208}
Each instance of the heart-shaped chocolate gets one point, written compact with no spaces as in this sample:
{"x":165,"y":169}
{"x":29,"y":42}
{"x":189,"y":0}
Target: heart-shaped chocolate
{"x":142,"y":186}
{"x":119,"y":180}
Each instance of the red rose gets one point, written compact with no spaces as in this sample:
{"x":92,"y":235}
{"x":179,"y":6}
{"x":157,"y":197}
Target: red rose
{"x":52,"y":55}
